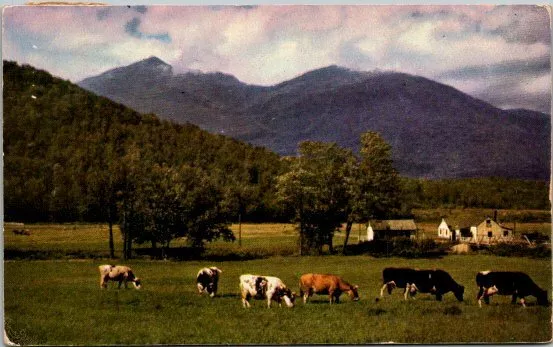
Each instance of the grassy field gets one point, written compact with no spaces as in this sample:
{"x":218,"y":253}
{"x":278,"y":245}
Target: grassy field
{"x":60,"y":302}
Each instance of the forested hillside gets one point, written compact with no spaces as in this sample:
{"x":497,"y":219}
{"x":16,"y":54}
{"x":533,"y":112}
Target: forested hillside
{"x":72,"y":156}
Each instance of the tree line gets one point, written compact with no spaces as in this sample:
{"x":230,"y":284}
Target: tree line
{"x":73,"y":156}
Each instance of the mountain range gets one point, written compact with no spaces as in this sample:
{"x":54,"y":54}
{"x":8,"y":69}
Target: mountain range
{"x":435,"y":131}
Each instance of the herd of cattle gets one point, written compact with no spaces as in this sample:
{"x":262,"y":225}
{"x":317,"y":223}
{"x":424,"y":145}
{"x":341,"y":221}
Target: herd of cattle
{"x":270,"y":288}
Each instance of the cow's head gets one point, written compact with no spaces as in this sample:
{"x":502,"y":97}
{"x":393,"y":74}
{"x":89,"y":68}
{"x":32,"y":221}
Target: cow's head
{"x":353,"y":293}
{"x":216,"y":271}
{"x":137,"y":283}
{"x":288,"y":296}
{"x":459,"y":292}
{"x":542,"y":298}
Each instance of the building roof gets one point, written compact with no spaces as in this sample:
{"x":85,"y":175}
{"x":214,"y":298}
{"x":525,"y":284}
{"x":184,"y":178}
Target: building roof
{"x":393,"y":224}
{"x":461,"y":223}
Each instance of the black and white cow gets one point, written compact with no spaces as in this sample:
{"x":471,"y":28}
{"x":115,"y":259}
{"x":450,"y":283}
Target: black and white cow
{"x":265,"y":287}
{"x":207,"y":280}
{"x":436,"y":282}
{"x":395,"y":277}
{"x":517,"y":284}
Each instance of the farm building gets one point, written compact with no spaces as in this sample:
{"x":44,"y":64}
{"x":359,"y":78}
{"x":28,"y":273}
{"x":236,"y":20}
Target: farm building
{"x":461,"y":231}
{"x":444,"y":230}
{"x":490,"y":231}
{"x":385,"y":229}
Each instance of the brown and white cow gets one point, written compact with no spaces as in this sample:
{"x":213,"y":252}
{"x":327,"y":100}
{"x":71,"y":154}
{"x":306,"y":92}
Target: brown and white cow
{"x":332,"y":285}
{"x":207,"y":280}
{"x":265,"y":287}
{"x":117,"y":273}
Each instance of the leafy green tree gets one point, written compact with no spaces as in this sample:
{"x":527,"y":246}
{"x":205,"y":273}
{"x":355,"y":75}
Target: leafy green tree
{"x":374,"y":186}
{"x":316,"y":188}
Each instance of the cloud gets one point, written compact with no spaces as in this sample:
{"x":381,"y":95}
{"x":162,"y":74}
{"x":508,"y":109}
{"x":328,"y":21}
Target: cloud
{"x":131,"y":28}
{"x":465,"y":46}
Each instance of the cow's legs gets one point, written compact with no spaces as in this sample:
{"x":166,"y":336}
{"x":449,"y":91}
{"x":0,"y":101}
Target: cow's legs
{"x":514,"y":299}
{"x":413,"y":290}
{"x":245,"y":300}
{"x":382,"y":289}
{"x":523,"y":302}
{"x":407,"y":289}
{"x":487,"y":293}
{"x":200,"y":288}
{"x":439,"y":296}
{"x":214,"y":292}
{"x":305,"y":296}
{"x":479,"y":296}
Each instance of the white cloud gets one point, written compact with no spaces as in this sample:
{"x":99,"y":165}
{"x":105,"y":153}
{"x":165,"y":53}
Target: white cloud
{"x":268,"y":44}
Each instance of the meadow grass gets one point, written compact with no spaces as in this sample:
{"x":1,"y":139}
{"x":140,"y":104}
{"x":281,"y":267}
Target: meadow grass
{"x":61,"y":303}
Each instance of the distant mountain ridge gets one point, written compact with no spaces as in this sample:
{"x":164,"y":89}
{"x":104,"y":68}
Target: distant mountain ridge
{"x":435,"y":130}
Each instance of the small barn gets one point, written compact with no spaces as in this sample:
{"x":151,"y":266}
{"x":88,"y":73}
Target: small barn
{"x":490,"y":231}
{"x":386,"y":229}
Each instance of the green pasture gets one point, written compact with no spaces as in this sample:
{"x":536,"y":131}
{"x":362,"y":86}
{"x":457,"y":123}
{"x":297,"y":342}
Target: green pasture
{"x":61,"y":303}
{"x":58,"y":301}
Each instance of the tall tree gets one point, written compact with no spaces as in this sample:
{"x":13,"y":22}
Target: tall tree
{"x":316,"y":188}
{"x":375,"y":186}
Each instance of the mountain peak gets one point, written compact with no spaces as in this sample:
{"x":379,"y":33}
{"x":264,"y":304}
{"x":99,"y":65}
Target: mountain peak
{"x":152,"y":61}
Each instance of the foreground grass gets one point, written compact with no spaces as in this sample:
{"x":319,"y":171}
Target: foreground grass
{"x":60,"y":302}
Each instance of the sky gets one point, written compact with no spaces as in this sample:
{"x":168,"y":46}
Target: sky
{"x":499,"y":53}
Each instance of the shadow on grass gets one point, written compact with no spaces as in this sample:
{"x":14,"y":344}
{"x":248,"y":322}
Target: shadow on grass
{"x":21,"y":254}
{"x":228,"y":295}
{"x":191,"y":253}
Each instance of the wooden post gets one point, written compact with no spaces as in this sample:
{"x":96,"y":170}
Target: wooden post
{"x":240,"y":230}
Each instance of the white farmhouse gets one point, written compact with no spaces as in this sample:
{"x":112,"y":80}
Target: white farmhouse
{"x":444,"y":231}
{"x":464,"y":231}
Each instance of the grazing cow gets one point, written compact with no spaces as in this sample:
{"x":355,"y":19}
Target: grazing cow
{"x":207,"y":280}
{"x":332,"y":285}
{"x":119,"y":273}
{"x":517,"y":284}
{"x":265,"y":287}
{"x":398,"y":278}
{"x":436,"y":282}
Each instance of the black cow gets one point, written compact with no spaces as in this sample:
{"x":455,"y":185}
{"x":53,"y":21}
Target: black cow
{"x":436,"y":282}
{"x":517,"y":284}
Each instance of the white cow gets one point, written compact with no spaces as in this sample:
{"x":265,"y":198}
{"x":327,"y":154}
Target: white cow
{"x":207,"y":280}
{"x":119,"y":273}
{"x":265,"y":287}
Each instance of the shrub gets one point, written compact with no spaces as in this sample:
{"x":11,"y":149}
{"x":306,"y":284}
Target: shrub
{"x":400,"y":247}
{"x":520,"y":250}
